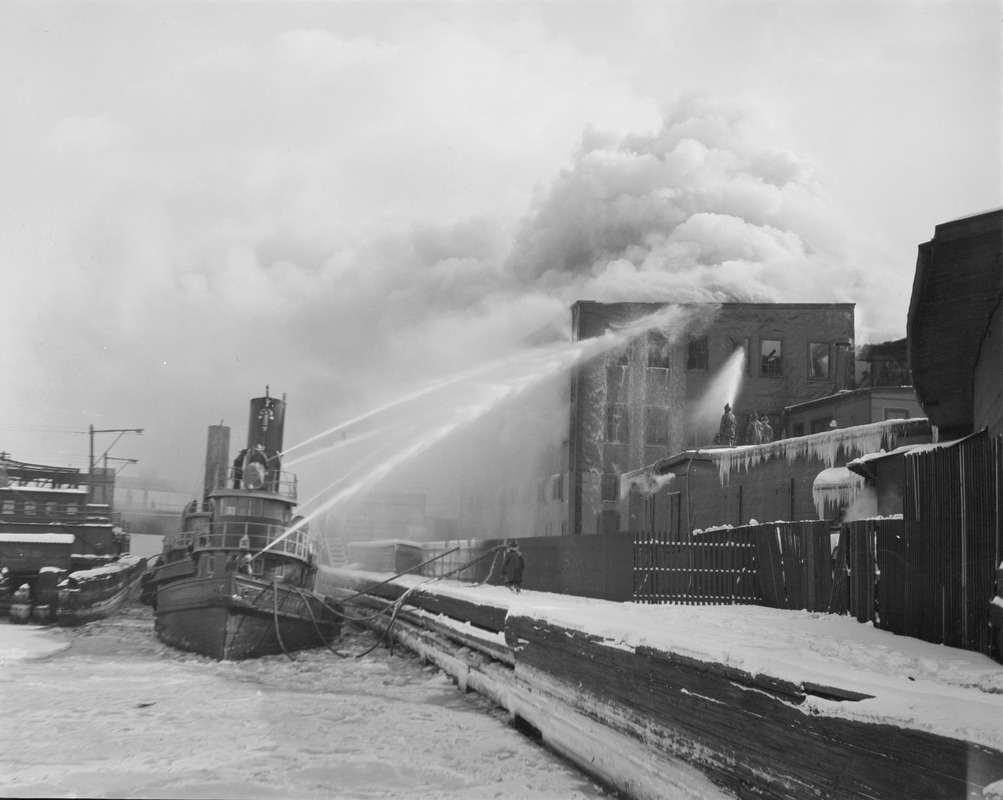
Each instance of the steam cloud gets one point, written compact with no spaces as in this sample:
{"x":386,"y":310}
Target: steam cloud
{"x":186,"y":293}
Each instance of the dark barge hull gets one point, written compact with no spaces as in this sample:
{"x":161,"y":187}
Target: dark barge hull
{"x":101,"y":597}
{"x":237,"y":617}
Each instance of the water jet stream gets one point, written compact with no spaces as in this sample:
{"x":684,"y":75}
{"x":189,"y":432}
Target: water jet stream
{"x":428,"y":415}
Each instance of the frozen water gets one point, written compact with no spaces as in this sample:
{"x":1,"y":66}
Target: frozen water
{"x":108,"y":711}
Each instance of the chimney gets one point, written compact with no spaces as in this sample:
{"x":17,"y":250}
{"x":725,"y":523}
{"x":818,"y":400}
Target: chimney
{"x":843,"y":364}
{"x":217,"y":457}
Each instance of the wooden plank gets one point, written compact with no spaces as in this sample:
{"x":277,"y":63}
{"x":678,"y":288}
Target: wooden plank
{"x":757,"y":743}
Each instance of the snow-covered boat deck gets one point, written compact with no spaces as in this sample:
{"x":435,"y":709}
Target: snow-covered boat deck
{"x":764,"y":702}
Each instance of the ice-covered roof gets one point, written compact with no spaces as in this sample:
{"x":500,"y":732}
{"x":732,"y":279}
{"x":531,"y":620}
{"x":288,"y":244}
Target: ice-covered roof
{"x":824,"y":447}
{"x":37,"y":538}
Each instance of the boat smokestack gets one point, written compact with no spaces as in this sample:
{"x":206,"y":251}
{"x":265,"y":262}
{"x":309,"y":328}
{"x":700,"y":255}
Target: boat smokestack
{"x":217,"y":456}
{"x":266,"y":423}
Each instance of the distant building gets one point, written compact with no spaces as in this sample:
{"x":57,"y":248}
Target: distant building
{"x":698,"y":489}
{"x":150,"y":505}
{"x":660,"y":395}
{"x":955,"y":326}
{"x":852,"y":407}
{"x":885,"y":364}
{"x":381,"y":516}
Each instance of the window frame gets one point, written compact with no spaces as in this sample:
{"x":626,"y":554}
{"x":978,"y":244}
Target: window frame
{"x":699,"y":346}
{"x":763,"y":371}
{"x":811,"y":362}
{"x":660,"y":427}
{"x":609,"y":487}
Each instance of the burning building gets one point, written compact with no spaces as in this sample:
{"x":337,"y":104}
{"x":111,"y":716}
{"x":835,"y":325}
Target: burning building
{"x":664,"y":391}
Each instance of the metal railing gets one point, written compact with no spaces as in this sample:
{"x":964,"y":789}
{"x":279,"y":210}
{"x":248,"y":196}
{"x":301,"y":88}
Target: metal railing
{"x":273,"y":482}
{"x":231,"y":536}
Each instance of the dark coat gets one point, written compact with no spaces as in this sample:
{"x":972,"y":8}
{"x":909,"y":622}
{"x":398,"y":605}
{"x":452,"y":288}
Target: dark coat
{"x":513,"y":565}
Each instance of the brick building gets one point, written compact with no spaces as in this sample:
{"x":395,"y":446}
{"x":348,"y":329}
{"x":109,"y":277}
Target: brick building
{"x":664,"y":391}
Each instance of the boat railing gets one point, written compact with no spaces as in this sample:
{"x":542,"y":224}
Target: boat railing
{"x":193,"y":525}
{"x":231,"y":536}
{"x":273,"y":481}
{"x":179,"y":540}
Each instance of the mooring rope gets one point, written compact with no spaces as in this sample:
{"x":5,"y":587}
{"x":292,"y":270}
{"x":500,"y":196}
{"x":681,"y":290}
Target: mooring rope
{"x":275,"y":613}
{"x":306,"y":601}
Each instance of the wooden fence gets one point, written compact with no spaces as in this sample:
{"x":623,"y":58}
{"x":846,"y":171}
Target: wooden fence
{"x":932,"y":574}
{"x":780,"y":564}
{"x":929,"y":573}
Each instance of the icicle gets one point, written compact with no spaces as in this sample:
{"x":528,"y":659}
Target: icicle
{"x":824,"y":447}
{"x":835,"y":486}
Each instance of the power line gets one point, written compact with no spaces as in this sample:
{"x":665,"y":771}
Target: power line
{"x":42,"y":428}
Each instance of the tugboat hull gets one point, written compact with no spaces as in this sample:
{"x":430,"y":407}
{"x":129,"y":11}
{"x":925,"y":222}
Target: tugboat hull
{"x":238,"y":617}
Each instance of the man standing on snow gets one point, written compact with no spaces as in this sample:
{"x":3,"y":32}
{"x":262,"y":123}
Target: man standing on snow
{"x":754,"y":432}
{"x":512,"y":567}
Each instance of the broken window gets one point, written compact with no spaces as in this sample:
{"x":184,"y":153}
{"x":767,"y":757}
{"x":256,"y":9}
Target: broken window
{"x":696,"y":355}
{"x":818,"y":360}
{"x":771,"y":357}
{"x":7,"y":507}
{"x":656,"y":425}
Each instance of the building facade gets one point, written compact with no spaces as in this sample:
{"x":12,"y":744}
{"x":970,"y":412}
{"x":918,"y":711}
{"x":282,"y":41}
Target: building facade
{"x":955,"y":326}
{"x":852,"y":407}
{"x":663,"y":391}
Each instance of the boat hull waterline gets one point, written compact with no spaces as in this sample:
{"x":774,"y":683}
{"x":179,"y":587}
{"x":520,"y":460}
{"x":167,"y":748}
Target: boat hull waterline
{"x":238,"y":617}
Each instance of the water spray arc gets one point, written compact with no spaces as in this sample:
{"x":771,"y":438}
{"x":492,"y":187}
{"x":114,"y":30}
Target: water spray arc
{"x":410,"y":425}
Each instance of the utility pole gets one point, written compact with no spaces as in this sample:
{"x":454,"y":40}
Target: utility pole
{"x":90,"y":469}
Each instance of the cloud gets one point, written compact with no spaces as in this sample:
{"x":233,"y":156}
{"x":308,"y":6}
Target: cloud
{"x":346,"y":218}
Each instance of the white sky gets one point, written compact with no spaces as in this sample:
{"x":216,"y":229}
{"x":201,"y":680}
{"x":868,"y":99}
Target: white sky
{"x":341,"y":199}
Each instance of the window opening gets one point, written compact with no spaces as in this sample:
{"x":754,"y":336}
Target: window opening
{"x":658,"y":350}
{"x":656,"y":425}
{"x":696,"y":354}
{"x":616,"y":404}
{"x":616,"y":423}
{"x":818,"y":360}
{"x":771,"y":357}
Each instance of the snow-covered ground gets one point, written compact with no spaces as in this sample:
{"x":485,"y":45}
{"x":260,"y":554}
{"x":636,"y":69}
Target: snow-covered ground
{"x":915,"y":684}
{"x":108,"y":711}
